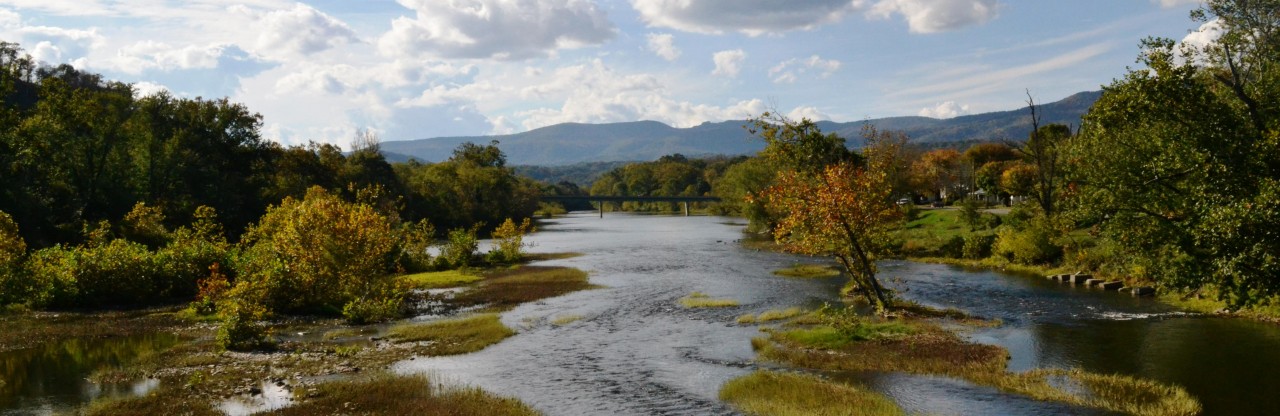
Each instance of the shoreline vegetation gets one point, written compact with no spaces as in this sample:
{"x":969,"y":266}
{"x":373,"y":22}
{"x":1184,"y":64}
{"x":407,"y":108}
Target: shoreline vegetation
{"x":324,"y":364}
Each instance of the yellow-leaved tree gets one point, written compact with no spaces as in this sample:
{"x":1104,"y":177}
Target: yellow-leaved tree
{"x":836,"y":202}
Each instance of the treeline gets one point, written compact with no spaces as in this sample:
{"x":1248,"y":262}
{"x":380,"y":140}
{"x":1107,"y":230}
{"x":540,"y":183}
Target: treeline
{"x":1172,"y":178}
{"x":672,"y":175}
{"x":112,"y":200}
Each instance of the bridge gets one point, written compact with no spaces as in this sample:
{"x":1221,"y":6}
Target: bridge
{"x":620,"y":198}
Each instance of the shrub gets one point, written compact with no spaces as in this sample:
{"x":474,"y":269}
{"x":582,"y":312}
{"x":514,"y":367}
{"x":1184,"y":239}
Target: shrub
{"x":13,"y":279}
{"x":49,"y":278}
{"x":508,"y":242}
{"x":953,"y":247}
{"x":978,"y":246}
{"x":317,"y":254}
{"x":1033,"y":245}
{"x":970,"y":214}
{"x":145,"y":225}
{"x":364,"y":311}
{"x":910,"y":212}
{"x":460,"y":250}
{"x":415,"y":240}
{"x":242,"y":328}
{"x":118,"y":273}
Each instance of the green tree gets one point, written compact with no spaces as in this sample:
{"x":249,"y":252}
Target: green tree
{"x":1179,"y":159}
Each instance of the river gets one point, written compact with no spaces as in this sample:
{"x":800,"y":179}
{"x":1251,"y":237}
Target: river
{"x":634,"y":351}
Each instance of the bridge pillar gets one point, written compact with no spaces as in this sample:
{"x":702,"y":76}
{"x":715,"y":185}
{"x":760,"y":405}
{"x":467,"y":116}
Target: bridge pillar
{"x":686,"y":208}
{"x":601,"y":208}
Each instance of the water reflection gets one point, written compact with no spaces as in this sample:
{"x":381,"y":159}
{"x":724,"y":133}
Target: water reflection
{"x":1232,"y":366}
{"x":52,"y":377}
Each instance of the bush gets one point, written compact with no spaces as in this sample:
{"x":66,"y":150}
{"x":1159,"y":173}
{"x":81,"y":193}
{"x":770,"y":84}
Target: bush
{"x":415,"y":241}
{"x":13,"y":279}
{"x":1033,"y":245}
{"x":508,"y":242}
{"x":978,"y":246}
{"x":460,"y":250}
{"x":119,"y":273}
{"x":318,"y":254}
{"x":242,"y":328}
{"x":953,"y":247}
{"x":910,"y":212}
{"x":364,"y":311}
{"x":970,"y":214}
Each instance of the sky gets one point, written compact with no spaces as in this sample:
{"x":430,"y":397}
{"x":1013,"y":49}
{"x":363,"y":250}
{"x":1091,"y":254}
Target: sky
{"x":321,"y":70}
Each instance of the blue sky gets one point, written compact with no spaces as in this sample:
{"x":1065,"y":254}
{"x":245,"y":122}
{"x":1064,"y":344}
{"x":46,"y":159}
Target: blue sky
{"x":318,"y":70}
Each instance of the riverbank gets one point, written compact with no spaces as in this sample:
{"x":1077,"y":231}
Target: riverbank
{"x":1201,"y":302}
{"x":315,"y":360}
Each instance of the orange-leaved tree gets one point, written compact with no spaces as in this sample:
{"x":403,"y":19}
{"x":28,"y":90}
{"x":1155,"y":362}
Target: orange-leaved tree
{"x":837,"y":203}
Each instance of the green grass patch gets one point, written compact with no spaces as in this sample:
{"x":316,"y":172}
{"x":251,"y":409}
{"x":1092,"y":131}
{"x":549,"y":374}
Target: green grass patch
{"x":777,"y":315}
{"x":808,"y":271}
{"x":454,"y":336}
{"x":701,"y":300}
{"x":565,"y":319}
{"x":403,"y":395}
{"x":507,"y":288}
{"x":767,"y":393}
{"x":436,"y":280}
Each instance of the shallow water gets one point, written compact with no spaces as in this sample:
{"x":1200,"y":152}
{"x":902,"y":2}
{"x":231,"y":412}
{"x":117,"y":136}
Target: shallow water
{"x":52,"y":378}
{"x":635,"y":351}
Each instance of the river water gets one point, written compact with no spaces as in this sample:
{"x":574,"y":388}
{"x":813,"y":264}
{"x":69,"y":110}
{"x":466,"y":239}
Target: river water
{"x":634,"y":350}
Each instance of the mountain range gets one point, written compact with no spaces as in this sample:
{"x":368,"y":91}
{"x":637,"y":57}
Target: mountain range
{"x":571,"y":143}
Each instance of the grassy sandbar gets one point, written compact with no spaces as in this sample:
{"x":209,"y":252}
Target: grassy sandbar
{"x":784,"y":394}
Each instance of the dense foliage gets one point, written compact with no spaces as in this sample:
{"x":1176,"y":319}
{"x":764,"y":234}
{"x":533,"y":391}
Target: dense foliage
{"x":1179,"y":161}
{"x":672,"y":175}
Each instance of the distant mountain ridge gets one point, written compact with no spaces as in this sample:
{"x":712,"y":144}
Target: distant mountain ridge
{"x":570,"y":143}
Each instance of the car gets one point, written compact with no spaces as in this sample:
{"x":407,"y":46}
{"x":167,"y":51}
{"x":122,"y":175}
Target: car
{"x":904,"y":201}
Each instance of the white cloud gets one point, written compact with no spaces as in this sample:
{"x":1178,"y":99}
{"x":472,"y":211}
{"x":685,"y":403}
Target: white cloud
{"x":932,"y":16}
{"x":58,"y":45}
{"x":806,"y":112}
{"x":301,"y":30}
{"x":751,"y":17}
{"x":758,"y":17}
{"x":1208,"y":33}
{"x":663,"y":45}
{"x":143,"y":89}
{"x":947,"y":109}
{"x":150,"y":55}
{"x":728,"y":63}
{"x":9,"y":19}
{"x":792,"y":69}
{"x":495,"y":29}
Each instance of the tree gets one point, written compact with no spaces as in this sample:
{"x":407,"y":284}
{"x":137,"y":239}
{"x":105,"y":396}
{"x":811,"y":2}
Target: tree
{"x":1179,"y":160}
{"x":838,"y":205}
{"x":1042,"y":150}
{"x":937,"y":171}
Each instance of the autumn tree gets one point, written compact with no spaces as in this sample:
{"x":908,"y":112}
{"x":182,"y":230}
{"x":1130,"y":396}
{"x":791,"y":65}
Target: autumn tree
{"x":937,"y":171}
{"x":836,"y":202}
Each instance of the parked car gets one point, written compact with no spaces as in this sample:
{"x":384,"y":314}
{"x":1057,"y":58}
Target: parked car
{"x":904,"y":201}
